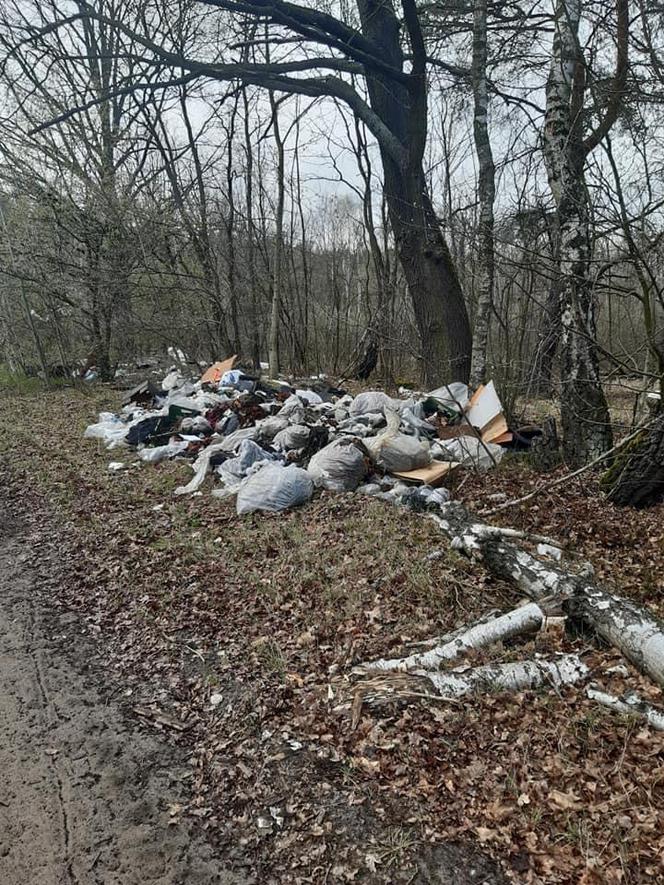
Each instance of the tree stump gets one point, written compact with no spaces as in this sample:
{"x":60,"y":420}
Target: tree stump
{"x":640,"y":479}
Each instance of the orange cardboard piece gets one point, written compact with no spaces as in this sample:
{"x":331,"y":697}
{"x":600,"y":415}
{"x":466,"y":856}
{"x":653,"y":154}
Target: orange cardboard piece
{"x":495,"y":428}
{"x":217,"y":370}
{"x":503,"y":438}
{"x":476,"y":396}
{"x":431,"y":475}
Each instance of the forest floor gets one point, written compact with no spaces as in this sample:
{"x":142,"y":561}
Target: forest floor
{"x":227,"y":643}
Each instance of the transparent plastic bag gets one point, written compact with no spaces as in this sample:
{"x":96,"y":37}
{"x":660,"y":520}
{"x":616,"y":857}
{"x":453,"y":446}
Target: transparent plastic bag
{"x":249,"y":453}
{"x":374,"y":401}
{"x":470,"y":451}
{"x":394,"y":451}
{"x":339,"y":467}
{"x":292,"y":438}
{"x":274,"y":488}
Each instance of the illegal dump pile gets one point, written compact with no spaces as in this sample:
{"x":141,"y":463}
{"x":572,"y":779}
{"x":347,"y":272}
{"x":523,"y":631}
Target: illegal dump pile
{"x":271,"y":445}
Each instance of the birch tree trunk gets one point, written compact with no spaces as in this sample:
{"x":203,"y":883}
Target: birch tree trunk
{"x":277,"y":271}
{"x":584,"y":412}
{"x":486,"y":193}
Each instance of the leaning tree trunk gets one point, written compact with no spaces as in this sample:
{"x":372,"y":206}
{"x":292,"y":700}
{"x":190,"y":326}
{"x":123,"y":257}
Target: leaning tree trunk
{"x":435,"y":290}
{"x":438,"y":302}
{"x":641,"y":480}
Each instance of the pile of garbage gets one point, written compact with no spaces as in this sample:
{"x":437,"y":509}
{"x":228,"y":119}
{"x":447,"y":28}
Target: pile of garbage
{"x":271,"y":445}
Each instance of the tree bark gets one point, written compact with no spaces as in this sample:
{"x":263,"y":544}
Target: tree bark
{"x":486,"y":187}
{"x":584,"y":412}
{"x":522,"y":620}
{"x":277,"y":270}
{"x":630,"y":705}
{"x":641,"y":481}
{"x":433,"y":284}
{"x":379,"y":688}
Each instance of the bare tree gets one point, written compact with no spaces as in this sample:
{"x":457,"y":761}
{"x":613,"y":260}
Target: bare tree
{"x":486,"y":187}
{"x":584,"y":412}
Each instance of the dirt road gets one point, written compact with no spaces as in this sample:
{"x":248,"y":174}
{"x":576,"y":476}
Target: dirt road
{"x":84,"y":797}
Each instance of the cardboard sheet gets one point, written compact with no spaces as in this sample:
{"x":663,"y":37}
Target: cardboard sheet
{"x":214,"y":374}
{"x":484,"y":406}
{"x":496,"y":428}
{"x":431,"y":475}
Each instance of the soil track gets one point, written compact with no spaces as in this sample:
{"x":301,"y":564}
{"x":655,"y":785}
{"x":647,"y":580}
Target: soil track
{"x":85,"y":798}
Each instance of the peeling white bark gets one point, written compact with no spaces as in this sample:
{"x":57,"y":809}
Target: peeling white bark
{"x":526,"y":619}
{"x":518,"y":676}
{"x":626,"y":626}
{"x":633,"y":630}
{"x":534,"y":578}
{"x":629,"y":705}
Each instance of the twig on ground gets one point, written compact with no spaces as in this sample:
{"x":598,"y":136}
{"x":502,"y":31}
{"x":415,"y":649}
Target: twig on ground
{"x":568,"y":476}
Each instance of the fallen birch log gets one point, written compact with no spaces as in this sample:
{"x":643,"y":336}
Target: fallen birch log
{"x":526,"y":619}
{"x":517,"y":676}
{"x":386,"y":687}
{"x":629,"y":705}
{"x":630,"y":628}
{"x":624,"y":625}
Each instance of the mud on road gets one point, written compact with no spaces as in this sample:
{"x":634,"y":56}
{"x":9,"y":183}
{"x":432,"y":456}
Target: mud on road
{"x":85,"y":797}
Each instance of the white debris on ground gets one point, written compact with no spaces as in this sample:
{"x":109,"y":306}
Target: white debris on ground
{"x":271,"y":445}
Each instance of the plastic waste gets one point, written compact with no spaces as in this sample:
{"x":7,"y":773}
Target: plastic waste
{"x":339,"y":467}
{"x":293,"y":410}
{"x":372,"y":489}
{"x":420,"y":498}
{"x":452,"y":395}
{"x":274,"y":488}
{"x":162,"y":453}
{"x":230,"y":378}
{"x":268,"y":428}
{"x":228,"y":424}
{"x":249,"y":454}
{"x":172,"y":380}
{"x":374,"y":401}
{"x":195,"y":425}
{"x":108,"y":427}
{"x":294,"y":437}
{"x":231,"y":443}
{"x":469,"y":451}
{"x":394,"y":451}
{"x":310,"y":397}
{"x":201,"y":468}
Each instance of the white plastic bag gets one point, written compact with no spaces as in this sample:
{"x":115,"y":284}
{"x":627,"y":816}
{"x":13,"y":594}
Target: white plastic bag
{"x":231,"y":443}
{"x":452,"y":395}
{"x":172,"y":381}
{"x":274,"y":488}
{"x":293,"y":410}
{"x":249,"y":453}
{"x":470,"y":451}
{"x":339,"y":467}
{"x":292,"y":438}
{"x":374,"y":401}
{"x":394,"y":451}
{"x":162,"y":453}
{"x":268,"y":428}
{"x":310,"y":397}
